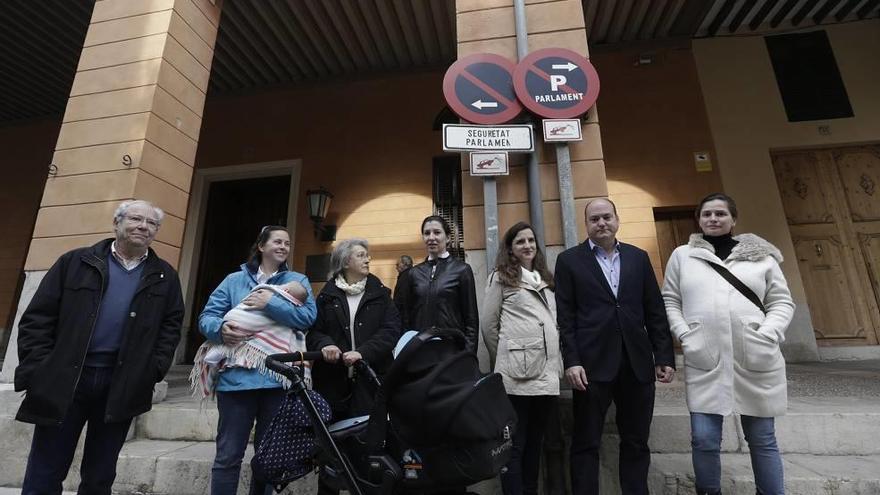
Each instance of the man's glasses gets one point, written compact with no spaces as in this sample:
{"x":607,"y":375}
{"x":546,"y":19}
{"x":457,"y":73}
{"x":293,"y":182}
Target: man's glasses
{"x":137,"y":220}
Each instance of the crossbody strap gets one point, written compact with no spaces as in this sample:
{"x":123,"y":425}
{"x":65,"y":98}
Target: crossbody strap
{"x":738,"y":285}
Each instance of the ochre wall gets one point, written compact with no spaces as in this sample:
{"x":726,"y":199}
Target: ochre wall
{"x":748,"y":119}
{"x":748,"y":122}
{"x":131,"y":125}
{"x":24,"y":163}
{"x":370,"y":142}
{"x":653,"y":120}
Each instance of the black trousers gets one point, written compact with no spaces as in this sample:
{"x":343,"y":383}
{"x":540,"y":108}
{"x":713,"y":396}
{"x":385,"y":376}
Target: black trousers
{"x":53,"y":447}
{"x":635,"y":409}
{"x":532,"y":411}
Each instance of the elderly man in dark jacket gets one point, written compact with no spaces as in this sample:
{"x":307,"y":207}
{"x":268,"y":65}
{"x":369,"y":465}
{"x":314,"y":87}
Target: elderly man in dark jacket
{"x":99,"y":333}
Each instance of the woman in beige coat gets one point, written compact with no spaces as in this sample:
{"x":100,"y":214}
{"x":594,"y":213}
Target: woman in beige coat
{"x":519,"y":327}
{"x":733,"y":362}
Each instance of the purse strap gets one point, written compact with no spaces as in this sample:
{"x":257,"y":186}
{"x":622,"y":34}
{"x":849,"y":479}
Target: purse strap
{"x":738,"y":285}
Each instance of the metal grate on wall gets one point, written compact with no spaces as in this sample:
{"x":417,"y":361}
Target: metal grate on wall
{"x":447,"y":200}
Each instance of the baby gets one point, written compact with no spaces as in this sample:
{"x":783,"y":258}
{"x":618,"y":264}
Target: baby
{"x":254,"y":321}
{"x":266,"y":337}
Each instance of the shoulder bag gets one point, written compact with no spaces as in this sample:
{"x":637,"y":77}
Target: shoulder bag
{"x":738,"y":285}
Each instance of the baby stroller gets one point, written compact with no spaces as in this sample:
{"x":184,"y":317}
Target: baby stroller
{"x":438,"y":424}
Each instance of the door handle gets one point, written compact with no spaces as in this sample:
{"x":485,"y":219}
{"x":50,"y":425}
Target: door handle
{"x":818,"y":249}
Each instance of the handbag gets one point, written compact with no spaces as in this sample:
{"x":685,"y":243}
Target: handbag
{"x":287,"y":450}
{"x":738,"y":285}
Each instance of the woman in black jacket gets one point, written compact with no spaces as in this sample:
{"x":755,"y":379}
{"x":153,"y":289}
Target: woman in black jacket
{"x":440,"y":291}
{"x":356,"y":320}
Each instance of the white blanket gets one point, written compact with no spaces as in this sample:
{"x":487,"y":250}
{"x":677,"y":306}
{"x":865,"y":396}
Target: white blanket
{"x":267,"y":337}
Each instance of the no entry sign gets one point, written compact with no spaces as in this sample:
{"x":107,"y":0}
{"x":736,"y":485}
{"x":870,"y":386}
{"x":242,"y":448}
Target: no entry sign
{"x":556,"y":83}
{"x":479,"y":89}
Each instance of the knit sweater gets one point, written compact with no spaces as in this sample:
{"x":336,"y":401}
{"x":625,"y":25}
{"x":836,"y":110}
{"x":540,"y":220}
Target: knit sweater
{"x":110,"y":322}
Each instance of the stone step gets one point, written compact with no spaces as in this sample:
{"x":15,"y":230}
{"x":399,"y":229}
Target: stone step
{"x":161,"y":467}
{"x":187,"y":421}
{"x":831,"y":426}
{"x":672,"y":474}
{"x":840,"y":426}
{"x":181,"y":468}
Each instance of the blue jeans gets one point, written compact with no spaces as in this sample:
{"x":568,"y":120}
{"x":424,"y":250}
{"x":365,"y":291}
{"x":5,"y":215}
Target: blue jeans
{"x":53,"y":447}
{"x":238,"y":411}
{"x":761,"y":437}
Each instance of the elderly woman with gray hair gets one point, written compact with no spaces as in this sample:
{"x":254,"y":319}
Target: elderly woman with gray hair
{"x":356,"y":320}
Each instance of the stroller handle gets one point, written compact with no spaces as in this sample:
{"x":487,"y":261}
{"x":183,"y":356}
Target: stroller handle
{"x":278,"y":364}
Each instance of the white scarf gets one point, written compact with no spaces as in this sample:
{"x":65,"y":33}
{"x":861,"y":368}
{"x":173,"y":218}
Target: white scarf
{"x":531,"y":278}
{"x":351,"y":289}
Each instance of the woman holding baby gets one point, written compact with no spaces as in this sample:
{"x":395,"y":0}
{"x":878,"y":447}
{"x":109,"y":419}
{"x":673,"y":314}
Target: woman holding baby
{"x":246,"y":393}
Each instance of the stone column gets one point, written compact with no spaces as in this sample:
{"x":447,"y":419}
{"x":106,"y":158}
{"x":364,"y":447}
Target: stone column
{"x":487,"y":26}
{"x":130,"y":130}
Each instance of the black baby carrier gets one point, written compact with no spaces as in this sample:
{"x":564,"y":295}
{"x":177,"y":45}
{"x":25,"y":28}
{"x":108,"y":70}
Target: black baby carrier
{"x":450,"y":425}
{"x":437,"y":423}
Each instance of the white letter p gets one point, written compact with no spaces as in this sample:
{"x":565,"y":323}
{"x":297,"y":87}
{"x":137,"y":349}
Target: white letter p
{"x":556,"y":81}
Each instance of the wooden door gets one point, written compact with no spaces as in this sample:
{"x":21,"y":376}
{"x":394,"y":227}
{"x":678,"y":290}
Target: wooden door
{"x":674,"y":227}
{"x":859,"y":169}
{"x":834,"y":228}
{"x":236,"y":211}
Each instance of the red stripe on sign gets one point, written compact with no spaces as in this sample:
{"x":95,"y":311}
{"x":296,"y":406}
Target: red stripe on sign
{"x":540,"y":73}
{"x":485,"y":87}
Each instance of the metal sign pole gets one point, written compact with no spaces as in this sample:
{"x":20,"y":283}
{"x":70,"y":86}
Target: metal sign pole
{"x":490,"y":214}
{"x":566,"y":195}
{"x":536,"y":209}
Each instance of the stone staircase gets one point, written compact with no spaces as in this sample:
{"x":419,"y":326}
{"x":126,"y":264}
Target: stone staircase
{"x":829,"y":439}
{"x":169,"y":452}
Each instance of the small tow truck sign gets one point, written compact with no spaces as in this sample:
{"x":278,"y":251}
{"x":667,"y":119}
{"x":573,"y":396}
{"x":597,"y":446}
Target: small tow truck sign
{"x":460,"y":137}
{"x":562,"y":129}
{"x":489,"y":163}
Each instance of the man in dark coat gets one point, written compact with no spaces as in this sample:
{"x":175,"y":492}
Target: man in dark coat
{"x":615,"y":344}
{"x":99,"y":333}
{"x":404,"y":263}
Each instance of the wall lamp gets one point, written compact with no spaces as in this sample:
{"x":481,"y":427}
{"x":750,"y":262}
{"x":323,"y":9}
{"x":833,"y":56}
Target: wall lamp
{"x":319,"y":203}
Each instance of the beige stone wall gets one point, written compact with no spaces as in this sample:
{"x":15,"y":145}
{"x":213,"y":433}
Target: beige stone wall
{"x":370,"y":142}
{"x":24,"y":163}
{"x":487,"y":26}
{"x":132,"y":123}
{"x":653,"y":121}
{"x":748,"y":118}
{"x":748,"y":121}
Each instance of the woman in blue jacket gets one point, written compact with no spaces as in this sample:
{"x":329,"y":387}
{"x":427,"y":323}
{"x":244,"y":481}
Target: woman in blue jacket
{"x":245,"y":395}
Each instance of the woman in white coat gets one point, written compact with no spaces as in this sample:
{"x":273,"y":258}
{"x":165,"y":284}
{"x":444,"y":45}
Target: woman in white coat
{"x":733,"y":363}
{"x":519,"y":327}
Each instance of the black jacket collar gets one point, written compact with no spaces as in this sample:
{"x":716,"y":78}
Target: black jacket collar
{"x":98,"y":255}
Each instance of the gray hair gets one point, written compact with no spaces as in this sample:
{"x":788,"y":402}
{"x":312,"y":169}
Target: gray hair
{"x":342,"y":253}
{"x":123,"y":208}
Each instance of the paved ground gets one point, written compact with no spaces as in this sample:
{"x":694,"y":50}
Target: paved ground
{"x":17,"y":491}
{"x":808,"y":380}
